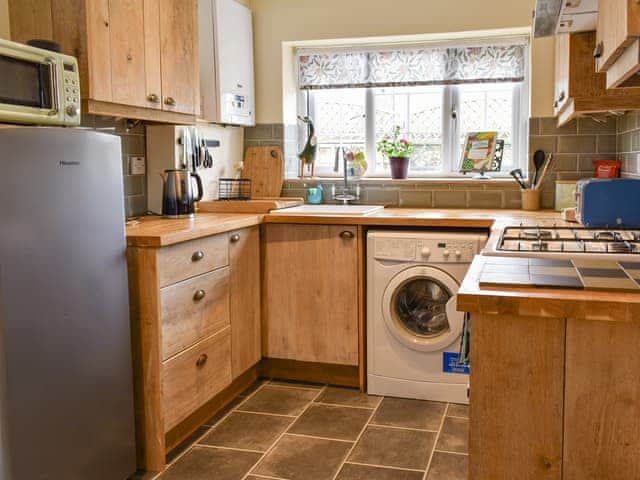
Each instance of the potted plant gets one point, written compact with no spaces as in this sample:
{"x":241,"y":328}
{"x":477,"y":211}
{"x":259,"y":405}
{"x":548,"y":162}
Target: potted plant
{"x":398,"y":150}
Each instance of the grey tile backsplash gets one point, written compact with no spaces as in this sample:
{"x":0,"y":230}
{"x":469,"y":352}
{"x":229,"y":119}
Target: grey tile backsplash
{"x":574,"y":146}
{"x":133,"y":143}
{"x":629,"y":143}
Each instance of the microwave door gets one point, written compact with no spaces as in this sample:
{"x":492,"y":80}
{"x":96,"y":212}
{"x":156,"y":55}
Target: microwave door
{"x":28,"y":85}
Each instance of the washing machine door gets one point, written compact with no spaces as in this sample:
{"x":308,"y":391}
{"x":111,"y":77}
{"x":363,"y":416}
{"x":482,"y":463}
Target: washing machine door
{"x":419,"y":309}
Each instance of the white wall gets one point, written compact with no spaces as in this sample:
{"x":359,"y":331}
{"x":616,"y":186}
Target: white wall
{"x":277,"y":21}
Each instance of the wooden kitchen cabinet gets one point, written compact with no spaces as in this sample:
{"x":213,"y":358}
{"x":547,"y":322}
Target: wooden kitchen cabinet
{"x":618,"y":27}
{"x":137,"y":58}
{"x":516,"y":398}
{"x":195,"y":322}
{"x":579,"y":89}
{"x":244,"y":256}
{"x":602,"y":401}
{"x":311,"y":293}
{"x":618,"y":42}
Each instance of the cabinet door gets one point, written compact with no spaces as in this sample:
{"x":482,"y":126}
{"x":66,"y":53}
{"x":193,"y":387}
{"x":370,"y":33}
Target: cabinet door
{"x":179,"y":56}
{"x":516,"y":398}
{"x":562,"y":72}
{"x":244,"y":257}
{"x":602,"y":402}
{"x":618,"y":26}
{"x":311,"y":293}
{"x":134,"y":38}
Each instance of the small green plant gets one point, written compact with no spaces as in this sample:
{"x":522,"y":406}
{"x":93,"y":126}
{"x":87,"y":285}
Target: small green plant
{"x":394,"y":146}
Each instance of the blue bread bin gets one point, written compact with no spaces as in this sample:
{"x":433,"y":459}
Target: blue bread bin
{"x":609,"y":202}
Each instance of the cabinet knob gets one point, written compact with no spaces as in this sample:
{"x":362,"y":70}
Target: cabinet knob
{"x":546,"y":463}
{"x":235,"y":238}
{"x":153,"y":98}
{"x":202,"y":359}
{"x":599,"y":50}
{"x":197,"y":256}
{"x":199,"y":295}
{"x":170,"y":101}
{"x":346,"y":235}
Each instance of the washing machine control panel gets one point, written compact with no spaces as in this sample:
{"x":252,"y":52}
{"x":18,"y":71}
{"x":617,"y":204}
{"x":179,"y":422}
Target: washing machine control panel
{"x":432,"y":251}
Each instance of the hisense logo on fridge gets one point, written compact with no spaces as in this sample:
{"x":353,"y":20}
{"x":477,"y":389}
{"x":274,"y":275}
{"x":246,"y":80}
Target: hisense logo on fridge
{"x":68,"y":163}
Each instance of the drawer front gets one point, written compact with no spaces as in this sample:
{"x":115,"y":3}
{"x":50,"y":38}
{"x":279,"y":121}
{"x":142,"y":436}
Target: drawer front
{"x":193,"y":309}
{"x":194,"y":376}
{"x":188,"y":259}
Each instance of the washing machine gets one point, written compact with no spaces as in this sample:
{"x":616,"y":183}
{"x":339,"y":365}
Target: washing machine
{"x":413,"y":327}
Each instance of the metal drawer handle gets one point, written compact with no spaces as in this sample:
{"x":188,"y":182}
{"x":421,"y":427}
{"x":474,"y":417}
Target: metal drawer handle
{"x":199,"y":295}
{"x":197,"y":256}
{"x":346,"y":235}
{"x":234,"y":238}
{"x":202,"y":359}
{"x":599,"y":50}
{"x":170,"y":101}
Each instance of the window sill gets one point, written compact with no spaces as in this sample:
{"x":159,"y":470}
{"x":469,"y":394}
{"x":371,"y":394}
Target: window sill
{"x":501,"y":182}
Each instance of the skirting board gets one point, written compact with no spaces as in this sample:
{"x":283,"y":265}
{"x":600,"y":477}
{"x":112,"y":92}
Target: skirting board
{"x":334,"y":374}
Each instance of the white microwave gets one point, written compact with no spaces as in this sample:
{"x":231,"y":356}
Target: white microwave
{"x":38,"y":86}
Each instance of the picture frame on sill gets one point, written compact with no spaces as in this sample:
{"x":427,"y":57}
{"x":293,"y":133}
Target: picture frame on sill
{"x":478,"y":152}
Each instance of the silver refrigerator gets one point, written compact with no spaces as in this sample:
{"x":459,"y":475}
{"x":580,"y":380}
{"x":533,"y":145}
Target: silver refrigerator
{"x":66,"y":384}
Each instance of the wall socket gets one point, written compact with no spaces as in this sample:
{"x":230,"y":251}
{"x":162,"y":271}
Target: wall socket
{"x":137,"y":165}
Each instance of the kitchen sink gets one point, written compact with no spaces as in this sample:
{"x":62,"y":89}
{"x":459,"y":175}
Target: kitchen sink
{"x":330,"y":210}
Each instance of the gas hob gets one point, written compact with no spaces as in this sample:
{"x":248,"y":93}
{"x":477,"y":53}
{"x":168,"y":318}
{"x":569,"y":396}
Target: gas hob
{"x":554,"y":241}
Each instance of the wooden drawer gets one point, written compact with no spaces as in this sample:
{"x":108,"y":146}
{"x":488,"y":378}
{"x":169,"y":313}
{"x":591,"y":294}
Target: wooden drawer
{"x":192,"y":377}
{"x":193,"y":309}
{"x":188,"y":259}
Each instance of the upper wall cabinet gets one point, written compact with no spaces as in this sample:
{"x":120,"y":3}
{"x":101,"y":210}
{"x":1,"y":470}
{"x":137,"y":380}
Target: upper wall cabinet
{"x":138,"y":58}
{"x":226,"y":62}
{"x":618,"y":42}
{"x":580,"y":89}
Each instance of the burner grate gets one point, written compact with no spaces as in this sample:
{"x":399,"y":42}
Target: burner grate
{"x":556,"y":239}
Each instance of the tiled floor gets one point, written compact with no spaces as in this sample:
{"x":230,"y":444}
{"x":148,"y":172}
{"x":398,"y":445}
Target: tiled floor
{"x":292,"y":431}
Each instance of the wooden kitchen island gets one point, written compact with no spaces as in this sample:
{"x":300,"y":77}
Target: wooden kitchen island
{"x":554,"y":384}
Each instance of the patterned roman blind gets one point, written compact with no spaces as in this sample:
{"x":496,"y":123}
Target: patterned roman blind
{"x":415,"y":65}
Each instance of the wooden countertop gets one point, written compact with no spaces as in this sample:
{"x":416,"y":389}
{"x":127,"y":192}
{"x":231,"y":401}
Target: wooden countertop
{"x":156,"y":231}
{"x":544,"y":302}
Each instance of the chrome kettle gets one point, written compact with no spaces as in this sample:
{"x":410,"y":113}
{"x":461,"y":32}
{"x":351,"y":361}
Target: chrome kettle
{"x":178,"y":198}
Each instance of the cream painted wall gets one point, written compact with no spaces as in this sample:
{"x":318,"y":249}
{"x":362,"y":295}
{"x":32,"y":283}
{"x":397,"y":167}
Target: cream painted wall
{"x":275,"y":21}
{"x":4,"y":19}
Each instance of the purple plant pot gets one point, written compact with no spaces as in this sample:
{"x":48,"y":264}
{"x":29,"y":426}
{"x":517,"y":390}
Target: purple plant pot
{"x":399,"y":167}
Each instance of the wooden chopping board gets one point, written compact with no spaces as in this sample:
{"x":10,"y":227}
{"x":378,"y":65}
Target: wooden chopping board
{"x":255,"y":205}
{"x":265,"y":167}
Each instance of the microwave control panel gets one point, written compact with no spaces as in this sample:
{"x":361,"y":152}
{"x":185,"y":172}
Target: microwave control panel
{"x":70,"y":93}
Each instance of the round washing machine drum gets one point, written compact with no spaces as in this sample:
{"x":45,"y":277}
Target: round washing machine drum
{"x":419,"y":309}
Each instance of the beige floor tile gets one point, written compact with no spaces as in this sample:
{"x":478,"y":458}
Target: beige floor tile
{"x":348,"y":396}
{"x":331,"y":421}
{"x":250,"y":431}
{"x":279,"y":400}
{"x":303,"y":458}
{"x":206,"y":463}
{"x":365,"y":472}
{"x":394,"y":447}
{"x":448,"y":466}
{"x":454,"y":436}
{"x":400,"y":412}
{"x":458,"y":410}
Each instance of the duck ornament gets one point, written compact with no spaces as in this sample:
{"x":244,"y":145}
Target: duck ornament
{"x":308,"y":154}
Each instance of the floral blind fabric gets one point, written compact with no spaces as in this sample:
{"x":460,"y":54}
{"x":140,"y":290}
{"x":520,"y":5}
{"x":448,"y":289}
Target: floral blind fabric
{"x":411,"y":66}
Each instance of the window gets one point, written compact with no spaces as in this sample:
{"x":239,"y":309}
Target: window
{"x":435,"y":117}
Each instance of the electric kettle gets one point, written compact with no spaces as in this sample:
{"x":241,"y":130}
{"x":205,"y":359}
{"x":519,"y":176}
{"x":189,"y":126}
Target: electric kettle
{"x":178,"y":198}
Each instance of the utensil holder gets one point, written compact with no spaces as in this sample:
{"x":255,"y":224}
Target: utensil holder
{"x":530,"y":200}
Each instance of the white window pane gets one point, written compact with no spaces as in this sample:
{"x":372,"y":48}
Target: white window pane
{"x":488,"y":107}
{"x":339,"y":120}
{"x":418,"y":112}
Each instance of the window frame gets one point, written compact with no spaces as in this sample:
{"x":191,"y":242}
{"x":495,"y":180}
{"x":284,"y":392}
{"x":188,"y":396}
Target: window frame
{"x":450,"y":129}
